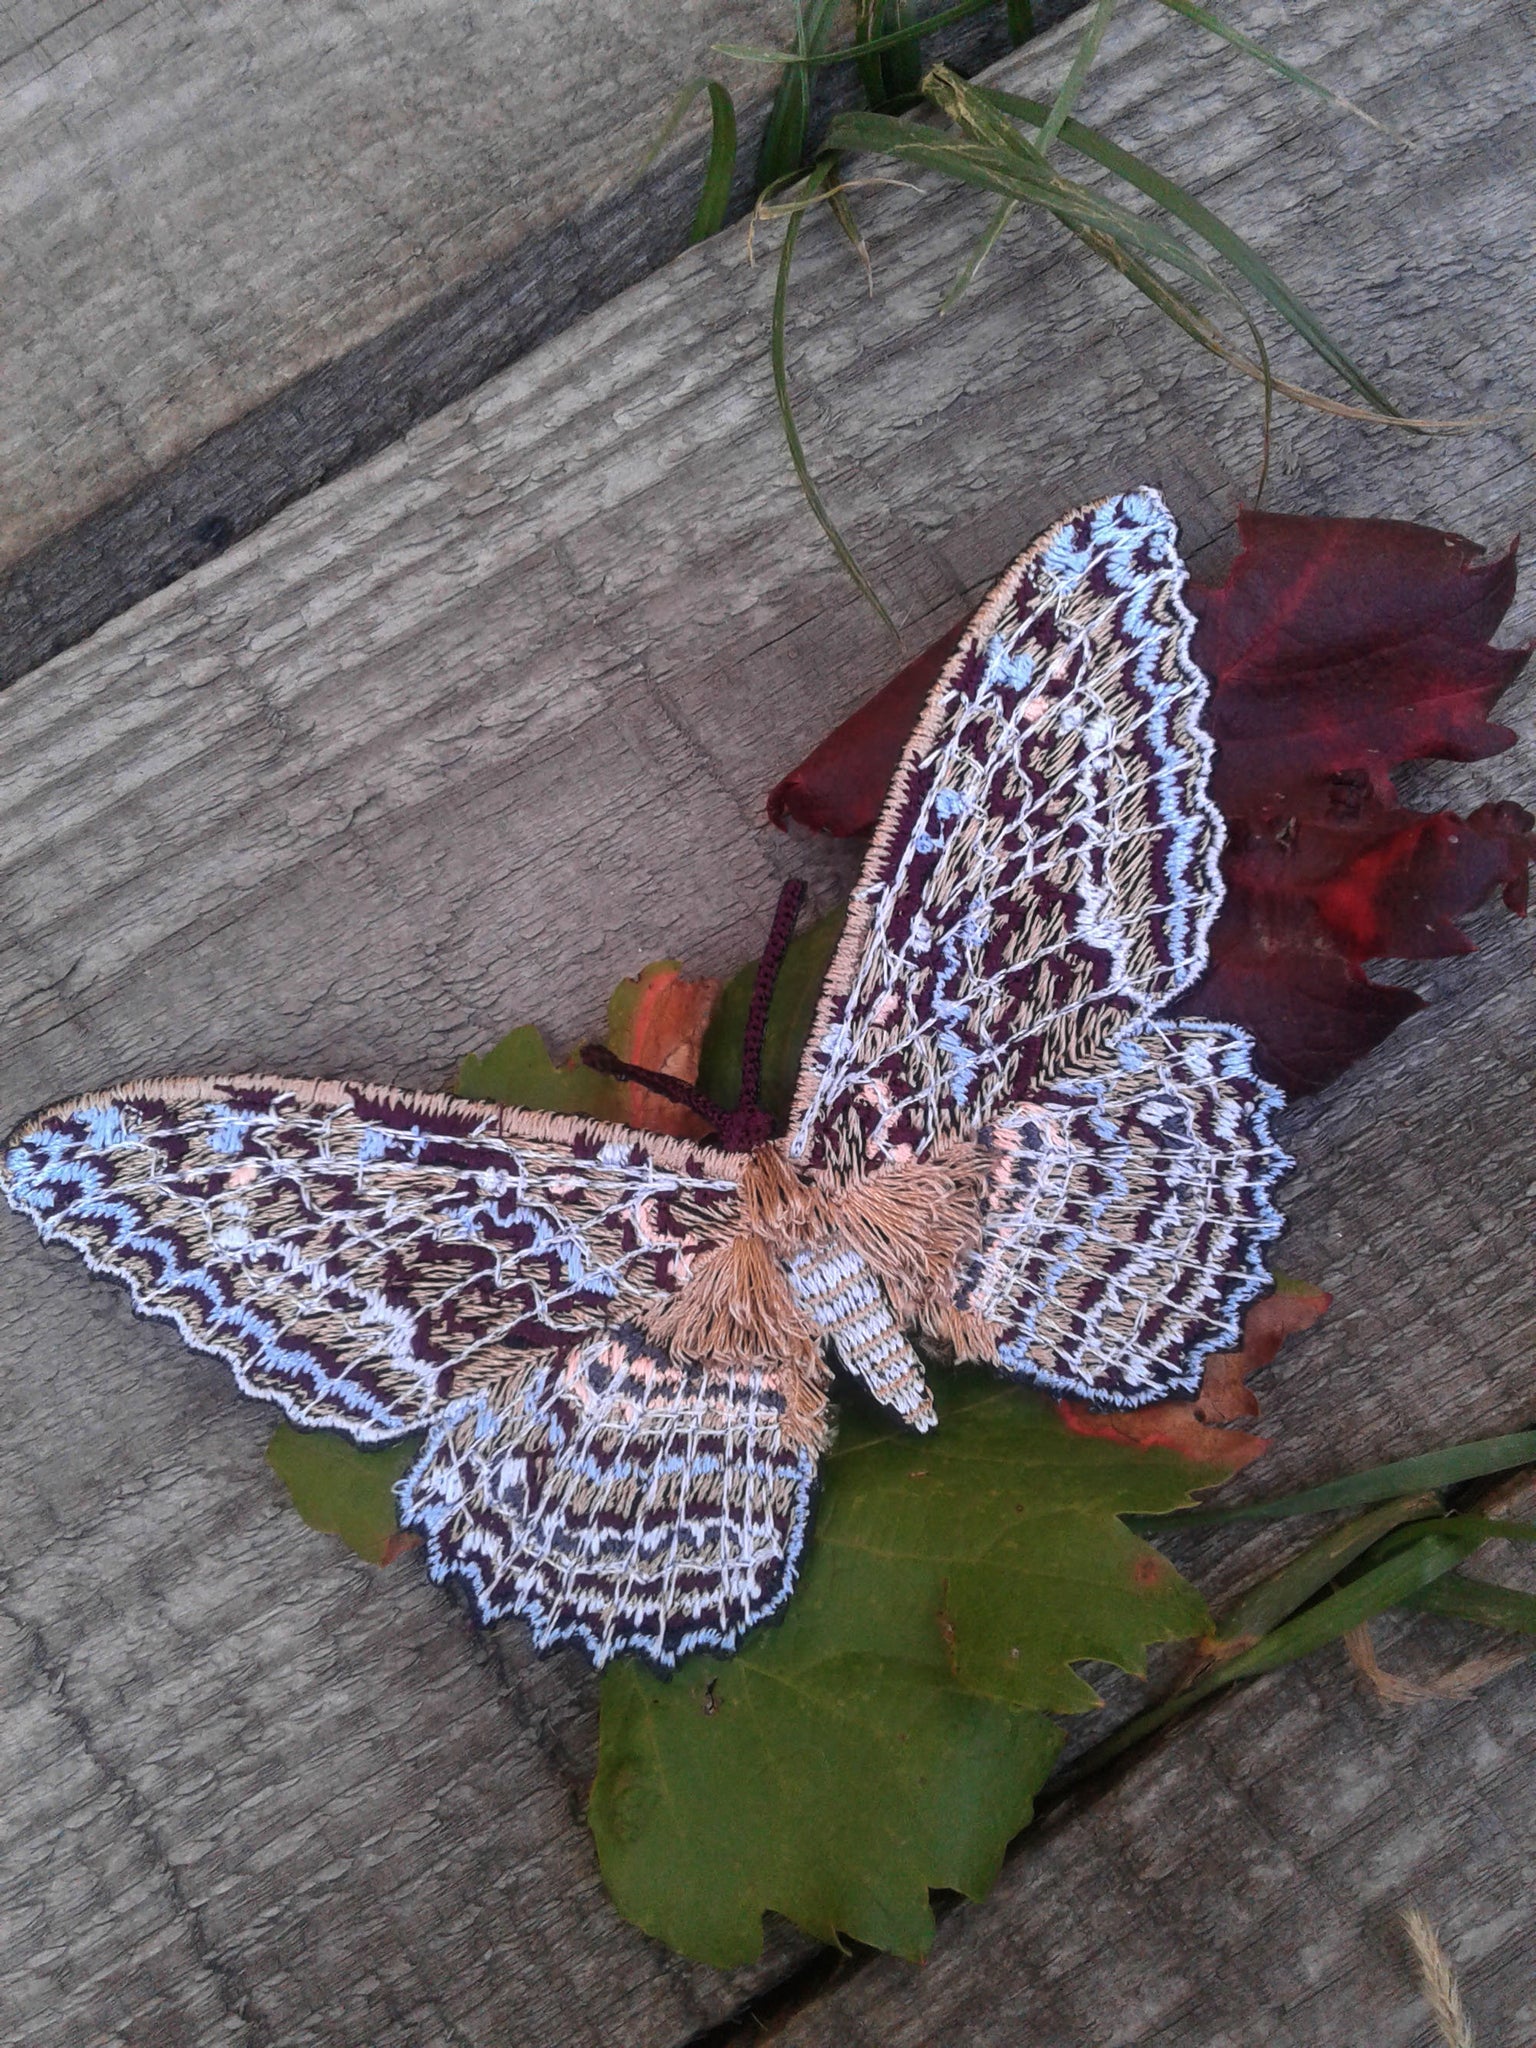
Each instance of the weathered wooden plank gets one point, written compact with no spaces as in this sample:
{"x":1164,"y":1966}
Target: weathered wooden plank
{"x":247,"y":247}
{"x":488,"y":721}
{"x":203,"y":204}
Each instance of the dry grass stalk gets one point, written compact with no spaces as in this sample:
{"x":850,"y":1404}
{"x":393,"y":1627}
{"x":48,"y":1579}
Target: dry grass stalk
{"x":1437,"y":1980}
{"x":1459,"y":1683}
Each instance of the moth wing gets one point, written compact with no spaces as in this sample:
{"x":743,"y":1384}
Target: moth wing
{"x":621,"y":1499}
{"x":1045,"y":870}
{"x":1123,"y":1233}
{"x":358,"y":1256}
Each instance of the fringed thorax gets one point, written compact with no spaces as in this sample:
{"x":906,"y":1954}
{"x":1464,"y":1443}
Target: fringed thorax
{"x":851,"y":1262}
{"x":819,"y":1262}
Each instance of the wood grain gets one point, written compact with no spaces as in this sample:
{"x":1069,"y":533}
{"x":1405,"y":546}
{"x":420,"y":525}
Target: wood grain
{"x":248,"y":246}
{"x":487,"y":722}
{"x":202,"y":204}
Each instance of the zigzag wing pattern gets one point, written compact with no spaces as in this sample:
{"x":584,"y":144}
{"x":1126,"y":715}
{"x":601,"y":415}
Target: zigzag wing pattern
{"x":378,"y":1262}
{"x":360,"y":1256}
{"x":1124,"y":1232}
{"x":1046,"y":868}
{"x":621,"y":1500}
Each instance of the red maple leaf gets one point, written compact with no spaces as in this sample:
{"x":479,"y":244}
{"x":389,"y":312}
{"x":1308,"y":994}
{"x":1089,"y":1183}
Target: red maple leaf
{"x":1337,"y":649}
{"x":840,"y":785}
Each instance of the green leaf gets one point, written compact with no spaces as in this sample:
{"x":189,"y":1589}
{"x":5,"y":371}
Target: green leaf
{"x":888,"y":1733}
{"x":790,"y":1017}
{"x":715,"y":194}
{"x":838,"y":1796}
{"x":519,"y":1071}
{"x":1464,"y":1599}
{"x":342,"y":1489}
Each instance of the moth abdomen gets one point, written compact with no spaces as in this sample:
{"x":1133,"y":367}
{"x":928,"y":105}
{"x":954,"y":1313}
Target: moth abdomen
{"x":844,"y":1298}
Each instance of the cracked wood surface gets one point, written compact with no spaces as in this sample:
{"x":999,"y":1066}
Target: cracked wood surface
{"x":203,"y":203}
{"x":488,"y":722}
{"x":245,"y":246}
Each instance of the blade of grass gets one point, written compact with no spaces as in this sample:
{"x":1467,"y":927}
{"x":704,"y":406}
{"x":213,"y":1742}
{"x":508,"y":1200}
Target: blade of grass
{"x":1182,"y":311}
{"x":1211,"y":229}
{"x":1433,"y":1471}
{"x":1272,"y":1601}
{"x":677,"y":113}
{"x":871,"y":70}
{"x":1006,"y":173}
{"x":1012,"y":166}
{"x":1021,"y":21}
{"x":819,"y":175}
{"x":782,"y":152}
{"x":1087,"y":49}
{"x":1373,"y":1593}
{"x":1486,"y":1528}
{"x":750,"y":53}
{"x":1464,"y":1599}
{"x":783,"y":143}
{"x":1018,"y":173}
{"x":715,"y":194}
{"x":1239,"y":41}
{"x":983,"y":249}
{"x":903,"y":61}
{"x":842,"y":213}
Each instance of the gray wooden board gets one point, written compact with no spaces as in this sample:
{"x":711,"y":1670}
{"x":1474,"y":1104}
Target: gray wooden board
{"x":244,"y":249}
{"x":471,"y":731}
{"x":202,"y":204}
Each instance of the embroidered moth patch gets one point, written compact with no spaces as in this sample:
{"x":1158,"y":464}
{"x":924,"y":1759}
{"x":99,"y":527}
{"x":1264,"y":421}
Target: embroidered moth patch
{"x":621,"y":1347}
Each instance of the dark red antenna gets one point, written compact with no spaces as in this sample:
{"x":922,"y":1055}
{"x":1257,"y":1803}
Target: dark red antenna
{"x":748,"y":1125}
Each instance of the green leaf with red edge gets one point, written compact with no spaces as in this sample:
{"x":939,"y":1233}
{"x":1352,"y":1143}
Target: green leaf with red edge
{"x":1337,"y":649}
{"x":888,"y":1734}
{"x":344,"y":1490}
